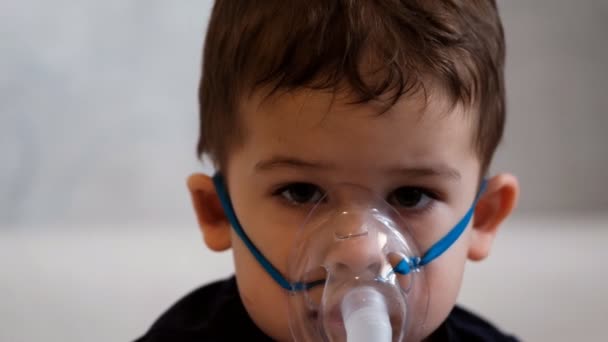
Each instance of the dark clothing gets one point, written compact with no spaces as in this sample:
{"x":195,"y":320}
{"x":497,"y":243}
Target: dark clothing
{"x":215,"y":313}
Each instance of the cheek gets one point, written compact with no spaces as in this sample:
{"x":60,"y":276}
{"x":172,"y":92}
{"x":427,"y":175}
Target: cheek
{"x":264,"y":300}
{"x":444,"y":276}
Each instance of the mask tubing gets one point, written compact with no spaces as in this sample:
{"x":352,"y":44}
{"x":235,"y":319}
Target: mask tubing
{"x":365,"y":316}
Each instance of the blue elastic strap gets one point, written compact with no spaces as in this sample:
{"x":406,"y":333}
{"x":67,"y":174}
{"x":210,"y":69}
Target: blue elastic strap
{"x":448,"y":240}
{"x":222,"y":193}
{"x":404,"y":267}
{"x":408,"y":265}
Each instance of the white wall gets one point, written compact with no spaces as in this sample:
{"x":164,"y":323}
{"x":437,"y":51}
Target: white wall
{"x":98,"y":110}
{"x":557,"y":67}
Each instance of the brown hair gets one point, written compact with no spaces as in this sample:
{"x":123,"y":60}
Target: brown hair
{"x":321,"y":44}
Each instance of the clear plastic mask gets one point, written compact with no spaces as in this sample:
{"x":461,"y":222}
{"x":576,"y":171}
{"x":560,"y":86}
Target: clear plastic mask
{"x":354,"y":263}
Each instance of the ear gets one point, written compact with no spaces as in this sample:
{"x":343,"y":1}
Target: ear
{"x":493,"y":207}
{"x":212,"y":221}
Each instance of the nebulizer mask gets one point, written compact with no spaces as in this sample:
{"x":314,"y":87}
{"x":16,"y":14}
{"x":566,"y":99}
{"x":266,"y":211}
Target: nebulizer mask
{"x":355,"y":272}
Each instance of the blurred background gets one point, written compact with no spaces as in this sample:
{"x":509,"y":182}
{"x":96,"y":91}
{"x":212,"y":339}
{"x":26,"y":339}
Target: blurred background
{"x":98,"y":125}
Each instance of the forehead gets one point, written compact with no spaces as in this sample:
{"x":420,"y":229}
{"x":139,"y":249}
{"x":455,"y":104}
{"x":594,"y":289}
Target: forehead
{"x":328,"y":127}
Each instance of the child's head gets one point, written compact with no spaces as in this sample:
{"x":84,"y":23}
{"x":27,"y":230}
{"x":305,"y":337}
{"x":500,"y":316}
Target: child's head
{"x":405,"y":98}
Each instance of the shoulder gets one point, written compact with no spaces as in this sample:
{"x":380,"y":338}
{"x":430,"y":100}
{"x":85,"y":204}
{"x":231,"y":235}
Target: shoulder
{"x":463,"y":325}
{"x":209,"y":313}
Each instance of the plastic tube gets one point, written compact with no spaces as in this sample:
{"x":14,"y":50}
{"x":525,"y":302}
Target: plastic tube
{"x":366,"y":316}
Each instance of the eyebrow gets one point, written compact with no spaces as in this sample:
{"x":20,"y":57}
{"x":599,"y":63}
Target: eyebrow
{"x":439,"y":170}
{"x":431,"y":171}
{"x":289,"y":162}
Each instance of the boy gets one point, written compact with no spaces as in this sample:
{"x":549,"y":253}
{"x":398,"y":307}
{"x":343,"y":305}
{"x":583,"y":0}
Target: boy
{"x":403,"y":98}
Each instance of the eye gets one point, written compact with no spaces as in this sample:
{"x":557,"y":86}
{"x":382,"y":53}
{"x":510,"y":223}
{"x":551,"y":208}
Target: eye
{"x":412,"y":198}
{"x":300,"y":193}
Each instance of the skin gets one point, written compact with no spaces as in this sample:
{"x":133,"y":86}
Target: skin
{"x":317,"y":138}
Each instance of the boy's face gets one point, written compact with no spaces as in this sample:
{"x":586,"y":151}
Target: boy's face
{"x":421,"y":159}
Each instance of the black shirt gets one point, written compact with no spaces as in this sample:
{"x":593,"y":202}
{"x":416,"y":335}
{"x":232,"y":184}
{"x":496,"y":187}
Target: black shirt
{"x":215,"y":313}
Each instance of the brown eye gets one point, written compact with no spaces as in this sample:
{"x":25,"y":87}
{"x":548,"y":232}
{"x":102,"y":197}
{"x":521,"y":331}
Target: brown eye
{"x":410,"y":198}
{"x":301,"y":193}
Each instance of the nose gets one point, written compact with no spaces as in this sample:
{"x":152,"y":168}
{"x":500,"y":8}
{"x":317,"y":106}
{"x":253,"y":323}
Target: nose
{"x":356,"y":250}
